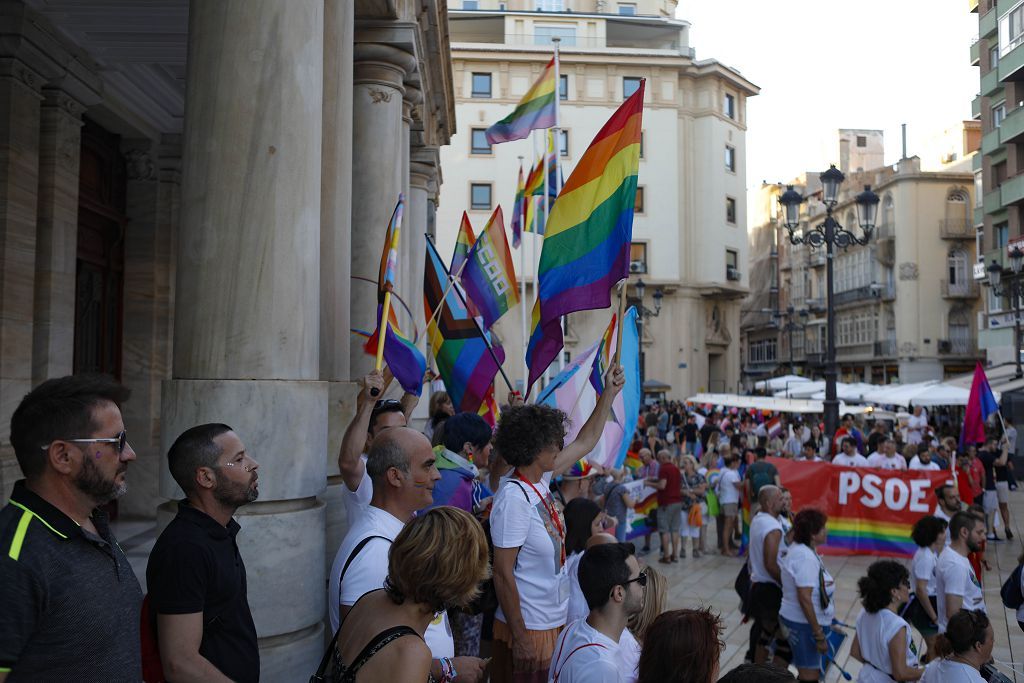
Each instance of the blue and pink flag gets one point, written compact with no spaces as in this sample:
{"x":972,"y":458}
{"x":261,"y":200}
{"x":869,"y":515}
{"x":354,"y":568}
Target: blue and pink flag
{"x":981,"y":403}
{"x":489,"y":276}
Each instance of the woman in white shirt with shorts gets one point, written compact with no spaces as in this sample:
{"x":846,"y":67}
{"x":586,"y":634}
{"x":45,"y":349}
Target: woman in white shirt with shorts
{"x":883,"y":641}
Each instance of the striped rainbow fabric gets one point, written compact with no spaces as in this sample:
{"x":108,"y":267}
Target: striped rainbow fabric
{"x":543,"y":346}
{"x":856,"y":534}
{"x":463,"y":243}
{"x":587,"y":236}
{"x":535,"y":110}
{"x":489,"y":277}
{"x":518,"y":210}
{"x":389,"y":258}
{"x":604,"y":357}
{"x":532,"y":190}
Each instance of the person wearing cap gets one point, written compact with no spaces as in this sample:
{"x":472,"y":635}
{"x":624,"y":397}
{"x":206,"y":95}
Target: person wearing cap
{"x":70,"y":599}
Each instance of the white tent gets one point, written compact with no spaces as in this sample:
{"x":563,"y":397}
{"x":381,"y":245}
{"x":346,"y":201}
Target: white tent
{"x":931,"y":393}
{"x":854,"y":392}
{"x":779,"y":405}
{"x":778,"y":383}
{"x":801,"y":389}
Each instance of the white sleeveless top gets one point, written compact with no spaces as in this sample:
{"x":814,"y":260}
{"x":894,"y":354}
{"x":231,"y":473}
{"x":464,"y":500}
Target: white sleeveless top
{"x":874,"y":631}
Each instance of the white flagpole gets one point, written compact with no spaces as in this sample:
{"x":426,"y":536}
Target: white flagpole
{"x":522,"y":282}
{"x":557,"y":135}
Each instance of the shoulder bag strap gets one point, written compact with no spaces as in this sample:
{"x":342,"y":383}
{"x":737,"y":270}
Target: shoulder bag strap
{"x":377,"y":643}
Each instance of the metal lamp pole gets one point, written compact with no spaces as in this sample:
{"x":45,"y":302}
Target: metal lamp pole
{"x":830,"y":234}
{"x":1012,"y":288}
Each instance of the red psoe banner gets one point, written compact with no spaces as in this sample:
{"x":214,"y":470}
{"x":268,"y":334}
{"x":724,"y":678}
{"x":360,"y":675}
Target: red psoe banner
{"x":870,"y":511}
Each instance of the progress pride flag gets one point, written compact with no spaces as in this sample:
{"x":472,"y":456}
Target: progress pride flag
{"x":870,"y":511}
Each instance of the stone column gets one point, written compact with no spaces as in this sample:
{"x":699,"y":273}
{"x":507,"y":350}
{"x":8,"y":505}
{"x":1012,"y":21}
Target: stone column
{"x":153,"y":187}
{"x":377,"y":160}
{"x":421,"y":172}
{"x":335,"y":254}
{"x":412,"y":97}
{"x":53,"y":332}
{"x":247,"y":312}
{"x":19,"y":187}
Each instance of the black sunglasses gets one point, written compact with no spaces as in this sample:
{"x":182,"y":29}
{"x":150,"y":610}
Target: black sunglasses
{"x":386,"y":402}
{"x":640,"y":579}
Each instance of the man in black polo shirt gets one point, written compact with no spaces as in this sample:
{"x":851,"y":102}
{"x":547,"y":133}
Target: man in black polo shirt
{"x":196,"y":577}
{"x":69,"y":601}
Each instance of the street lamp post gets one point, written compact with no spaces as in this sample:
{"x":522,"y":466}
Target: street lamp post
{"x":1012,"y":288}
{"x":831,"y":234}
{"x":643,"y":312}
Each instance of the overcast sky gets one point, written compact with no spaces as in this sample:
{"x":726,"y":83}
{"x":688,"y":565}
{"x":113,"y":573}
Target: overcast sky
{"x":822,"y":66}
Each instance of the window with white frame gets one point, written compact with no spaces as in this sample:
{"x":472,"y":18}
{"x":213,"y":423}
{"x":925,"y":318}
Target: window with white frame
{"x":979,"y":242}
{"x":956,"y":266}
{"x":763,"y":351}
{"x":1011,"y":29}
{"x":856,"y":328}
{"x":551,"y":5}
{"x":627,"y":8}
{"x":730,"y":158}
{"x":998,"y":114}
{"x":729,"y":106}
{"x":630,"y":84}
{"x":854,"y":269}
{"x":978,"y":189}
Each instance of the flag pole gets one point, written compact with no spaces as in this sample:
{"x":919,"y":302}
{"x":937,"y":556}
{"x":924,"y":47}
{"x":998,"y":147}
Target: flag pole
{"x":558,"y":154}
{"x":388,"y":287}
{"x":522,"y":278}
{"x":480,"y":330}
{"x":451,"y":283}
{"x":622,"y":311}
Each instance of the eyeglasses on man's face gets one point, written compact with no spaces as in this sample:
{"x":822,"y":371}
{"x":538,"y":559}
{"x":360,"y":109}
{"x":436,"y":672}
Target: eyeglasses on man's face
{"x":640,"y":578}
{"x":121,"y":440}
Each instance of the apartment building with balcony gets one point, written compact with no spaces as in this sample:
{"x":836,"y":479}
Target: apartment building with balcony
{"x":906,"y":304}
{"x":998,"y":212}
{"x":689,"y":237}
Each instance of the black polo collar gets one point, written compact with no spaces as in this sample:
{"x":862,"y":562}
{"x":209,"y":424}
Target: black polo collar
{"x":205,"y":522}
{"x":52,"y":518}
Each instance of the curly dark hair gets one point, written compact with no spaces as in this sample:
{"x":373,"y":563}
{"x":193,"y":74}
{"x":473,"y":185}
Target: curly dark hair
{"x":927,"y":530}
{"x":876,"y":587}
{"x":807,"y":523}
{"x":524,"y":431}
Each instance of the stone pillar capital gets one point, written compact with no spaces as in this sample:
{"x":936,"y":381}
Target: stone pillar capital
{"x":19,"y":72}
{"x":380,"y":64}
{"x":61,"y":100}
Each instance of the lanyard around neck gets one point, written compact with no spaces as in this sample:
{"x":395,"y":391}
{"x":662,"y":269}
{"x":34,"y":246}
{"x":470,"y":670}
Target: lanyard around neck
{"x":552,"y":512}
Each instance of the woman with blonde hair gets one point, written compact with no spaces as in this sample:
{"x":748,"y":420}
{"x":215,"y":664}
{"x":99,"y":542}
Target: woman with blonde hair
{"x":695,"y":487}
{"x":655,"y":600}
{"x":436,"y":562}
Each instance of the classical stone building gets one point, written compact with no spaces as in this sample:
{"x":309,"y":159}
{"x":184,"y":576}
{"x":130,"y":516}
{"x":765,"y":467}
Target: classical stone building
{"x":176,"y":209}
{"x":906,"y":303}
{"x":689,"y":239}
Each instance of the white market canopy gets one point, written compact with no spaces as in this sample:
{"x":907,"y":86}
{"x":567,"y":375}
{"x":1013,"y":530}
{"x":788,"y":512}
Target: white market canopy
{"x":926,"y":394}
{"x":775,"y":404}
{"x":779,"y":383}
{"x":853,"y":393}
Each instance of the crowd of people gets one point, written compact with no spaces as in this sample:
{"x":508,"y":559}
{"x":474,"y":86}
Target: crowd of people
{"x":499,"y":554}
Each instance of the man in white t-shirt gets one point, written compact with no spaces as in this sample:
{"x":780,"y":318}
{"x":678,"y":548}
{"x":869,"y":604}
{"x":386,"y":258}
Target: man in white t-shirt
{"x":948,"y":505}
{"x":956,"y":586}
{"x":765,"y":596}
{"x":923,"y":460}
{"x":887,"y":458}
{"x":808,"y":453}
{"x":401,"y":465}
{"x":587,"y":649}
{"x":372,"y":416}
{"x":848,"y":455}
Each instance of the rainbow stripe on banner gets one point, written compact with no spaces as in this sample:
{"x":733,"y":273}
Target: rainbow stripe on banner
{"x":638,"y":522}
{"x":536,"y":110}
{"x":588,"y":234}
{"x":869,"y":537}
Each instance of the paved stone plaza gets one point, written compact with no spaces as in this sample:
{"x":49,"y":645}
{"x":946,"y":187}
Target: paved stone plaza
{"x":709,"y":581}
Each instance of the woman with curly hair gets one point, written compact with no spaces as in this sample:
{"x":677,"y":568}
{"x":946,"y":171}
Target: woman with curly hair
{"x":682,"y":646}
{"x":529,"y":533}
{"x":929,"y":534}
{"x":883,"y":641}
{"x":436,"y":562}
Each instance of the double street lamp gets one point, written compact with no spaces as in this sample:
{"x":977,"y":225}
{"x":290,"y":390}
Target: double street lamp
{"x":830,"y":234}
{"x":1013,"y":288}
{"x":642,"y":313}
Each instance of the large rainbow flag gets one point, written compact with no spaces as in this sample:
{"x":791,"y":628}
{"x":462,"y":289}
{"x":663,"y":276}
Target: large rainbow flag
{"x":489,"y":277}
{"x":587,"y":236}
{"x":536,"y":110}
{"x":543,"y":346}
{"x":518,"y":210}
{"x":461,"y":353}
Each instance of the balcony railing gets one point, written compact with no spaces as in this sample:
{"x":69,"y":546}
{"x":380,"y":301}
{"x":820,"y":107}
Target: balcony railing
{"x":958,"y":347}
{"x":885,"y":348}
{"x":956,"y":229}
{"x":865,"y":293}
{"x":964,"y":289}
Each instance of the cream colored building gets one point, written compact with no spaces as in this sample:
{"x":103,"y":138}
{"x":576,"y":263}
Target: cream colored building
{"x":177,"y":183}
{"x":906,"y":303}
{"x":689,"y":230}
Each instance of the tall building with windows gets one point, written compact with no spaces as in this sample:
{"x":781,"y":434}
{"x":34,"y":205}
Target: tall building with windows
{"x":689,"y":235}
{"x":906,"y":303}
{"x":999,"y":169}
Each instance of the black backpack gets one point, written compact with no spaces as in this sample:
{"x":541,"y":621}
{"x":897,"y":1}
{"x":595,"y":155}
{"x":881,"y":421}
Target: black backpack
{"x":487,"y":600}
{"x":1011,"y":592}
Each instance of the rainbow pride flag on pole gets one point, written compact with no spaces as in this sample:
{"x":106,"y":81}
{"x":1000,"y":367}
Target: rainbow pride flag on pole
{"x":460,"y":350}
{"x":587,"y":236}
{"x":535,"y":110}
{"x":489,"y":277}
{"x":518,"y":210}
{"x":604,"y":355}
{"x":464,"y":241}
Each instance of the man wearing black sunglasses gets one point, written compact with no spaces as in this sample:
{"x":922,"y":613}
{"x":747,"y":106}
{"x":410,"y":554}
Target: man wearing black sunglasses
{"x":70,"y":601}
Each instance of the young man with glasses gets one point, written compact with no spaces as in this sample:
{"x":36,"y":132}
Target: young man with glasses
{"x":587,"y":651}
{"x":70,"y":601}
{"x":196,"y":577}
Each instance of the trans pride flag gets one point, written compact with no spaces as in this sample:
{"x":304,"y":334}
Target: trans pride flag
{"x":981,"y":403}
{"x":489,"y":277}
{"x":462,"y":357}
{"x":536,"y":110}
{"x":587,"y":236}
